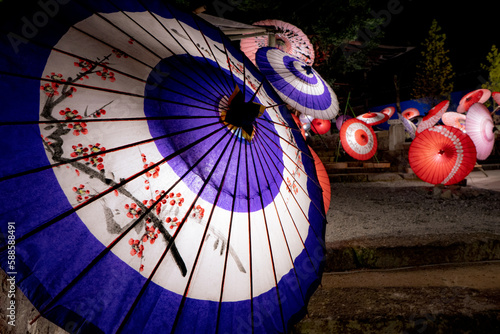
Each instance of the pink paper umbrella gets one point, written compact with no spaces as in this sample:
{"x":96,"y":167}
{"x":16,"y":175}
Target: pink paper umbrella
{"x":479,"y":126}
{"x":411,"y":113}
{"x":389,"y":111}
{"x":478,"y":95}
{"x":433,"y":116}
{"x":373,"y":118}
{"x":454,"y":119}
{"x":289,"y":39}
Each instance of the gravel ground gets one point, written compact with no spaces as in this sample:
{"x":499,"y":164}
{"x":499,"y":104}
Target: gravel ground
{"x":409,"y":208}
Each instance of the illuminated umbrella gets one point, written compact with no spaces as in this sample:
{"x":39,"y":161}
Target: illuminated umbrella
{"x":454,"y":119}
{"x":433,"y":116}
{"x":323,"y":179}
{"x":154,"y":183}
{"x":442,"y":155}
{"x":358,"y":139}
{"x":289,"y":39}
{"x":478,"y":95}
{"x":389,"y":111}
{"x":496,"y":97}
{"x":374,"y":118}
{"x":341,"y":120}
{"x":408,"y":125}
{"x":298,"y":84}
{"x":479,"y":126}
{"x":411,"y":113}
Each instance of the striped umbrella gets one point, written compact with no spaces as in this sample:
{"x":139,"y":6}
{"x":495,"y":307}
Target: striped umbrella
{"x":442,"y":155}
{"x":155,"y":183}
{"x":298,"y":84}
{"x":289,"y":39}
{"x":408,"y":125}
{"x":358,"y":139}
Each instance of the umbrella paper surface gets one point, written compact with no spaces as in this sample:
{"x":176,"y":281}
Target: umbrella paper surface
{"x":153,"y":182}
{"x":289,"y":39}
{"x":496,"y":97}
{"x":323,"y":179}
{"x":411,"y":113}
{"x":298,"y":84}
{"x":389,"y":111}
{"x":374,"y":118}
{"x":479,"y":126}
{"x":433,"y":116}
{"x":476,"y":96}
{"x":442,"y":155}
{"x":454,"y":119}
{"x":358,"y":139}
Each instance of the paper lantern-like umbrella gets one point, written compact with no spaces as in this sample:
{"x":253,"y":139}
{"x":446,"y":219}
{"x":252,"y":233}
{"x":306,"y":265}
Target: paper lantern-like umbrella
{"x":408,"y":125}
{"x":358,"y":139}
{"x":298,"y":84}
{"x":156,"y":176}
{"x":479,"y":126}
{"x":433,"y":116}
{"x":389,"y":111}
{"x":442,"y":155}
{"x":323,"y":179}
{"x":454,"y":119}
{"x":410,"y":113}
{"x":373,"y":118}
{"x":289,"y":39}
{"x":476,"y":96}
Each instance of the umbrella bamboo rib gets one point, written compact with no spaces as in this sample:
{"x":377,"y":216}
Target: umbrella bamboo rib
{"x":171,"y":242}
{"x":115,"y":186}
{"x":250,"y":263}
{"x":90,"y":155}
{"x":267,"y":233}
{"x":102,"y":89}
{"x":196,"y":260}
{"x":146,"y":211}
{"x":228,"y":239}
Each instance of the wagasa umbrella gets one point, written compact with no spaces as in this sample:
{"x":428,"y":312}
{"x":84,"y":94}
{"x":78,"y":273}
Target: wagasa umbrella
{"x":289,"y":39}
{"x":358,"y":139}
{"x":155,"y":181}
{"x":374,"y":118}
{"x":454,"y":119}
{"x":433,"y":116}
{"x":442,"y":155}
{"x":410,"y":113}
{"x":298,"y":84}
{"x":476,"y":96}
{"x":479,"y":126}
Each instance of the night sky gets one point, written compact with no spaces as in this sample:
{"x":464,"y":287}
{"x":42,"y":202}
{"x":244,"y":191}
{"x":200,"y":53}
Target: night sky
{"x":470,"y":32}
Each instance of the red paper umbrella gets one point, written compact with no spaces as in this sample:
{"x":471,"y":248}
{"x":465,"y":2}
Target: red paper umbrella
{"x":411,"y":113}
{"x":479,"y":126}
{"x":433,"y":116}
{"x":478,"y":95}
{"x":320,"y":126}
{"x":496,"y":97}
{"x":389,"y":111}
{"x":454,"y":119}
{"x":358,"y":139}
{"x":373,"y":118}
{"x":323,"y":179}
{"x":442,"y":155}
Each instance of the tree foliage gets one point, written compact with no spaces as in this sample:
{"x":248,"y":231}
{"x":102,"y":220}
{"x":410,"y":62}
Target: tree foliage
{"x":493,"y":69}
{"x":434,"y":76}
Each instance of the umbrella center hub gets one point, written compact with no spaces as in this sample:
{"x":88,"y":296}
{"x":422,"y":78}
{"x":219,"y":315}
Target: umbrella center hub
{"x":308,"y":69}
{"x":240,"y":115}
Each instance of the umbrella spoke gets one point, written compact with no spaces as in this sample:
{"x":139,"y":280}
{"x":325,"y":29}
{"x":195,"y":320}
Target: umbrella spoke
{"x":64,"y":161}
{"x":170,"y":242}
{"x":267,"y":236}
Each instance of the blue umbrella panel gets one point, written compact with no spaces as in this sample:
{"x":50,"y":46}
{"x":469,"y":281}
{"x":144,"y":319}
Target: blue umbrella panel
{"x":154,"y":178}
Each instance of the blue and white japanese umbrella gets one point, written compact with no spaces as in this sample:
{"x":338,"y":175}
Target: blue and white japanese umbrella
{"x":154,"y":181}
{"x":298,"y":84}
